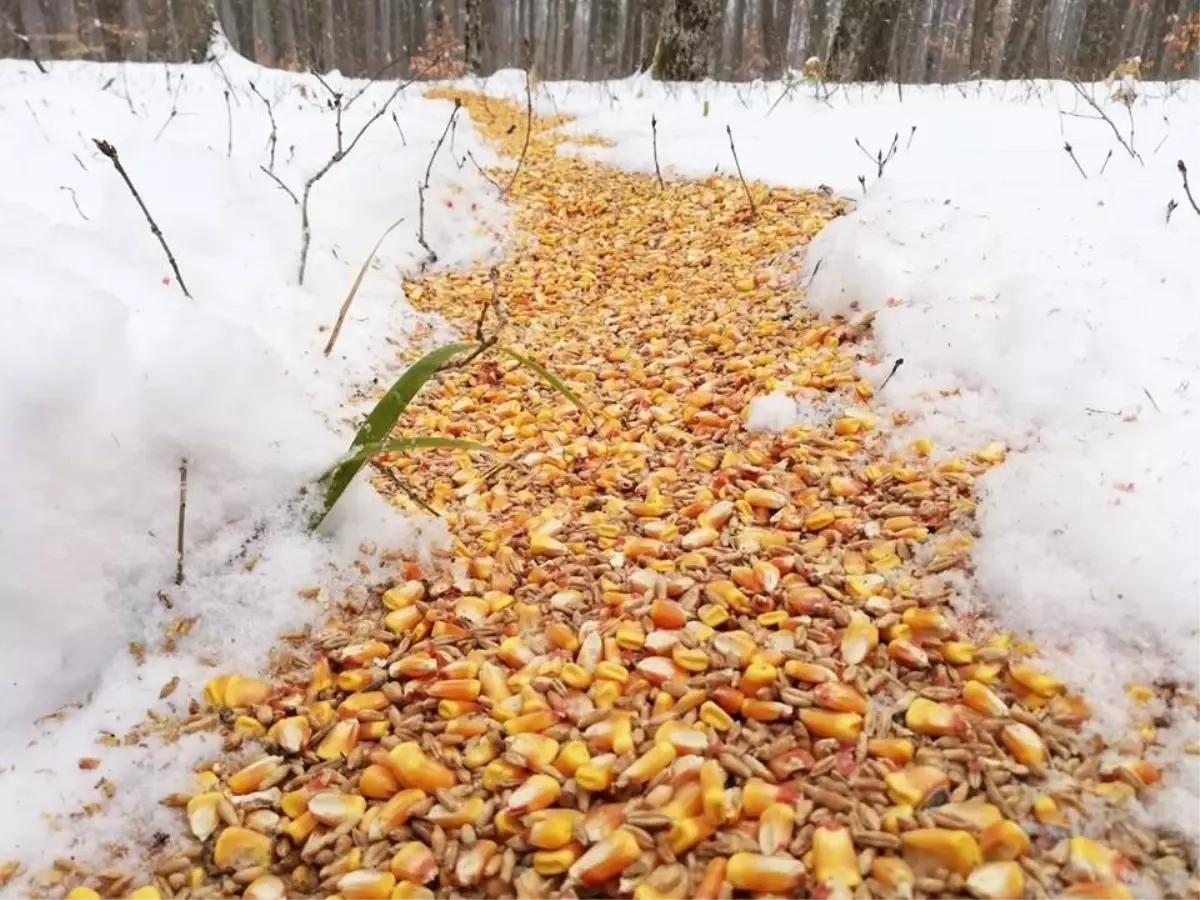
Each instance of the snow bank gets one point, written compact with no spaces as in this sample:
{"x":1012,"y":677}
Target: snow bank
{"x":1057,"y":313}
{"x":110,"y":376}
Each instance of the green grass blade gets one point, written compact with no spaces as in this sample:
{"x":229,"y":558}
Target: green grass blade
{"x":380,"y":421}
{"x":549,"y":377}
{"x":366,"y":453}
{"x":358,"y":280}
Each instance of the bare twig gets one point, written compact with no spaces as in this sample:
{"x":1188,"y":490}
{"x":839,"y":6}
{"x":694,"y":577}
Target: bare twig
{"x":1182,"y":167}
{"x":271,"y":141}
{"x":228,"y":128}
{"x":654,"y":138}
{"x":345,"y":308}
{"x":74,"y":200}
{"x":441,"y":140}
{"x":335,"y":104}
{"x":275,"y":178}
{"x":911,"y":135}
{"x":528,"y":132}
{"x":25,"y":42}
{"x":110,"y":151}
{"x":1172,"y":205}
{"x":746,"y":187}
{"x":433,"y":257}
{"x":483,"y":172}
{"x":37,"y":121}
{"x":1106,"y":159}
{"x":484,"y":342}
{"x":1153,"y":402}
{"x":862,"y":182}
{"x":371,"y":79}
{"x":407,"y":490}
{"x":1074,"y":159}
{"x":895,"y":368}
{"x":879,"y":159}
{"x":813,"y":276}
{"x":1115,"y":130}
{"x":338,"y":156}
{"x":403,"y":141}
{"x":181,"y":522}
{"x":174,"y":105}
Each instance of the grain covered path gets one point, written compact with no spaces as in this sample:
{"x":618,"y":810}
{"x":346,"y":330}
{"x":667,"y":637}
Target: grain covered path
{"x":666,"y":657}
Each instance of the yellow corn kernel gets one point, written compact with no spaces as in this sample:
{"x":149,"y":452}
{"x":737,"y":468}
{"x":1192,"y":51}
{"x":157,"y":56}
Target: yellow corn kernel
{"x":757,"y":675}
{"x":202,"y":814}
{"x":957,"y":653}
{"x":145,"y":892}
{"x":983,"y":700}
{"x":531,"y":722}
{"x":897,"y":750}
{"x":407,"y":890}
{"x":649,"y":764}
{"x":291,"y":734}
{"x":334,"y":808}
{"x":685,"y":802}
{"x":597,"y":773}
{"x":1003,"y":840}
{"x":926,"y":621}
{"x":413,"y":769}
{"x":1097,"y":890}
{"x":913,"y":785}
{"x":997,"y":881}
{"x":536,"y":750}
{"x":839,"y":697}
{"x":977,"y":814}
{"x":955,"y":850}
{"x":809,"y":673}
{"x":500,"y":773}
{"x":765,"y":710}
{"x":928,"y":717}
{"x":1025,"y":745}
{"x":395,"y":812}
{"x":549,"y":863}
{"x":301,"y":827}
{"x":1038,"y":682}
{"x":249,"y":728}
{"x":403,"y":595}
{"x":1090,"y":860}
{"x":834,"y":859}
{"x":775,"y":827}
{"x":893,"y":873}
{"x":984,"y":673}
{"x":844,"y":727}
{"x":606,"y":859}
{"x":82,"y":893}
{"x":858,"y":640}
{"x":513,"y":653}
{"x":414,"y":862}
{"x":255,"y":776}
{"x":819,"y":520}
{"x":363,"y":884}
{"x":713,"y":615}
{"x":687,"y":833}
{"x":553,"y":829}
{"x":573,"y":755}
{"x":712,"y":791}
{"x":1046,"y":811}
{"x":472,"y":861}
{"x":538,"y":792}
{"x":764,"y":874}
{"x":377,"y":783}
{"x":480,"y":753}
{"x":340,"y":740}
{"x":403,"y":621}
{"x":758,"y":795}
{"x":240,"y":848}
{"x":464,"y":814}
{"x":715,"y":717}
{"x":907,"y":653}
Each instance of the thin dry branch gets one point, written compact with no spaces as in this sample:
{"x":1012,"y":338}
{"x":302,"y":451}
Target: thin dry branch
{"x":338,"y":156}
{"x":275,"y":178}
{"x":492,"y":181}
{"x":1071,"y":153}
{"x":528,"y":132}
{"x":110,"y":151}
{"x":174,"y":105}
{"x":484,"y":342}
{"x":746,"y":187}
{"x":273,"y":139}
{"x":654,"y":138}
{"x":1182,"y":167}
{"x":181,"y":522}
{"x":441,"y":140}
{"x":1103,"y":115}
{"x":27,"y":44}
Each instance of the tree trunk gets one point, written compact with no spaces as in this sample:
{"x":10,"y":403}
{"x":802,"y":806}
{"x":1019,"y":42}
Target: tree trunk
{"x":982,"y":24}
{"x":682,"y":52}
{"x":777,"y":48}
{"x":289,"y":55}
{"x":818,"y":27}
{"x":738,"y":28}
{"x":263,"y":40}
{"x":607,"y":29}
{"x":568,"y":38}
{"x":137,"y":44}
{"x":473,"y":38}
{"x":862,"y":40}
{"x":33,"y":26}
{"x":418,"y":39}
{"x":1098,"y":37}
{"x":1026,"y":30}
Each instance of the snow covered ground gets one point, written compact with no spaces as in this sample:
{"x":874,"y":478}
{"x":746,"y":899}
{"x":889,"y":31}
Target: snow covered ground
{"x":109,"y":376}
{"x":1053,"y":310}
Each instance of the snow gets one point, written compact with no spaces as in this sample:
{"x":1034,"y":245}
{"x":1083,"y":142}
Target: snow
{"x":1056,"y":313}
{"x":110,"y":376}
